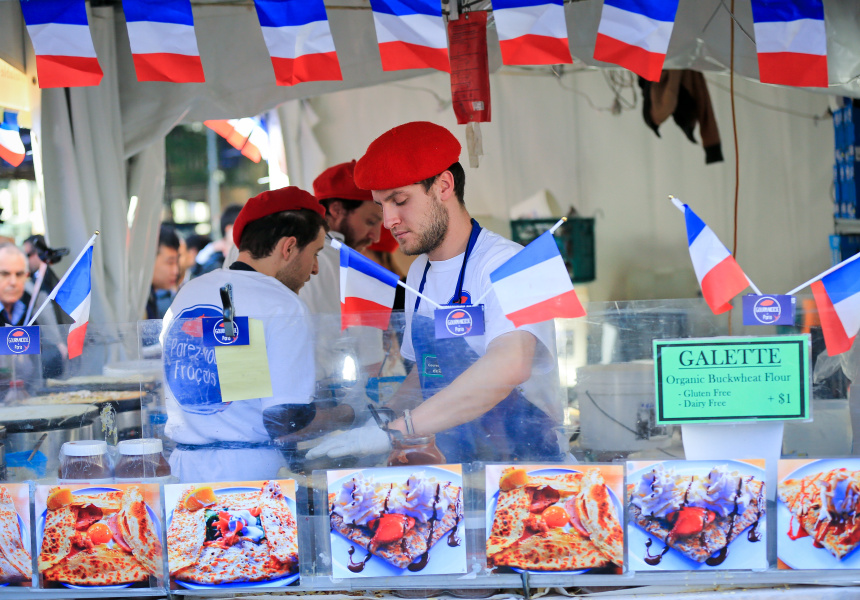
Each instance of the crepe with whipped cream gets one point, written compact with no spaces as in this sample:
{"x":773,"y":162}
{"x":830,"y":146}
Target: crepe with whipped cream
{"x":700,"y":514}
{"x":397,"y":522}
{"x":825,"y":506}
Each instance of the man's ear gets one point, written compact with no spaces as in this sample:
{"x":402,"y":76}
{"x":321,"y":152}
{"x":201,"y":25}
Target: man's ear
{"x":445,"y":183}
{"x":287,"y":247}
{"x":336,"y":209}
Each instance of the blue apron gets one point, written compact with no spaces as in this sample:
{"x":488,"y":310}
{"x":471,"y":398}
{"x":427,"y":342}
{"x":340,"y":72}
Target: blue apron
{"x":514,"y":429}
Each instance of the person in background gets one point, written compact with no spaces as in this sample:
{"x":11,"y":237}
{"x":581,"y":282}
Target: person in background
{"x":35,"y":247}
{"x":212,"y":256}
{"x":165,"y":273}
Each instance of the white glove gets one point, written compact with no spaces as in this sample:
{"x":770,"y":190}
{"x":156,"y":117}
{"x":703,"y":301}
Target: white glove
{"x":363,"y":441}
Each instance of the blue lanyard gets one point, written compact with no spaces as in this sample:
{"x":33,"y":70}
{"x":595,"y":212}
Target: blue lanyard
{"x":473,"y":238}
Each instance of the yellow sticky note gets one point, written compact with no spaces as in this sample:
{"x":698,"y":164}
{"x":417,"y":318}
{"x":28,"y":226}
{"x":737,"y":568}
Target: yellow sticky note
{"x":235,"y":363}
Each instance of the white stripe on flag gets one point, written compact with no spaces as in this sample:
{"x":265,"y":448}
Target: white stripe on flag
{"x":804,"y":36}
{"x":298,"y":40}
{"x":525,"y":288}
{"x":545,"y":19}
{"x":706,"y":252}
{"x":148,"y":37}
{"x":422,"y":30}
{"x":81,"y":314}
{"x":59,"y":39}
{"x":635,"y":29}
{"x":849,"y":313}
{"x":12,"y":140}
{"x":359,"y":285}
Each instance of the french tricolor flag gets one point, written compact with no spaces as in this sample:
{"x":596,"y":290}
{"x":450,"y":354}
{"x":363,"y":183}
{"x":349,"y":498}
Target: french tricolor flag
{"x":635,"y":34}
{"x":719,"y":275}
{"x":60,"y":32}
{"x":163,"y":44}
{"x":411,"y":34}
{"x":534,"y":285}
{"x":532,"y":32}
{"x":73,"y":294}
{"x":791,"y":42}
{"x":299,"y":40}
{"x":837,"y":296}
{"x":366,"y":290}
{"x":245,"y":135}
{"x":11,"y":146}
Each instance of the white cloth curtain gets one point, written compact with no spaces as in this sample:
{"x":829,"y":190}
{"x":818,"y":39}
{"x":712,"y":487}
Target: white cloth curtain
{"x":305,"y":158}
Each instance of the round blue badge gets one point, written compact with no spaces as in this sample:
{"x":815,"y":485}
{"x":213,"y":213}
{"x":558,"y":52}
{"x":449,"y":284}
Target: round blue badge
{"x":18,"y":341}
{"x":458,"y":322}
{"x":766,"y":310}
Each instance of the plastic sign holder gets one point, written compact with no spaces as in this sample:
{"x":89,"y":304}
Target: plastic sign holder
{"x":769,"y":309}
{"x":456,"y":321}
{"x":20,"y":340}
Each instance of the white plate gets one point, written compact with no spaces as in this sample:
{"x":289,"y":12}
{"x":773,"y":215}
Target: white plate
{"x":743,"y":554}
{"x":800,"y":553}
{"x":443,"y":559}
{"x":96,"y":490}
{"x":494,"y":500}
{"x":279,"y":582}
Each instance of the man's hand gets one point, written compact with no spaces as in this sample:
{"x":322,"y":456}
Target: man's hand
{"x":363,"y":441}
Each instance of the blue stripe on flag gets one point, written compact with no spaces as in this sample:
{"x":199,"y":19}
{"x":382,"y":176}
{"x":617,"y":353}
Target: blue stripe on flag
{"x":694,"y":224}
{"x":290,"y":13}
{"x":67,"y":12}
{"x":401,"y":8}
{"x":539,"y":250}
{"x":659,"y":10}
{"x":765,"y":11}
{"x":158,"y":11}
{"x":502,"y":4}
{"x":353,"y":260}
{"x":844,"y":282}
{"x":77,"y":285}
{"x":10,"y":121}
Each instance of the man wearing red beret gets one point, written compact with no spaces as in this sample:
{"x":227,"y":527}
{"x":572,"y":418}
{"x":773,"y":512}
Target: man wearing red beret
{"x":279,"y":235}
{"x":492,"y":397}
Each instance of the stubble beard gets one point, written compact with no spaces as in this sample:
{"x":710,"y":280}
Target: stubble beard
{"x":434,"y":233}
{"x":287,"y":277}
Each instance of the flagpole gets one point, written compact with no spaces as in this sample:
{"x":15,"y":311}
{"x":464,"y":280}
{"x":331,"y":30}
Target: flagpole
{"x":53,"y":293}
{"x":824,"y":274}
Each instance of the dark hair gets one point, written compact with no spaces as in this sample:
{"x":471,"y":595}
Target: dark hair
{"x":459,"y":181}
{"x":261,"y":236}
{"x":167,"y":237}
{"x":37,"y":241}
{"x":197,"y":241}
{"x":228,"y":217}
{"x":348,"y":205}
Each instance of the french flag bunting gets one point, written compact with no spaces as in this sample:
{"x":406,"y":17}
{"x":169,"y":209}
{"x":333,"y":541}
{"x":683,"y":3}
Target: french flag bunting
{"x":163,"y":43}
{"x":366,"y":290}
{"x":11,"y":146}
{"x":60,"y":32}
{"x":791,"y":42}
{"x":719,"y":275}
{"x":837,"y":296}
{"x":534,"y":285}
{"x":299,"y":40}
{"x":635,"y":34}
{"x":73,"y":294}
{"x":411,"y":34}
{"x":245,"y":135}
{"x":532,"y":32}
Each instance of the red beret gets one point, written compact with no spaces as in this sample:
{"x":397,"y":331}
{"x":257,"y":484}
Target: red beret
{"x":407,"y":154}
{"x":271,"y":202}
{"x":338,"y":182}
{"x":386,"y":242}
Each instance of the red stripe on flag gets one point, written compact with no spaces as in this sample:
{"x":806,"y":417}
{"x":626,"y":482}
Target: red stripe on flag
{"x":322,"y":66}
{"x":75,"y":341}
{"x":67,"y":71}
{"x":177,"y":68}
{"x":835,"y":338}
{"x":360,"y":312}
{"x":563,"y":306}
{"x":535,"y":50}
{"x":647,"y":64}
{"x":722,"y":283}
{"x":13,"y":158}
{"x":793,"y":68}
{"x":398,"y":56}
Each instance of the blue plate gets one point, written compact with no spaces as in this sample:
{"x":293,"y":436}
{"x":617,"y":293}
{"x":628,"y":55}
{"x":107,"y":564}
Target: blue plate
{"x":279,"y":582}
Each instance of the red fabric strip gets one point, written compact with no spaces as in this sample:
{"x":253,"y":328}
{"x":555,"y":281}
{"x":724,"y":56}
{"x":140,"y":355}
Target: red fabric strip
{"x":647,"y":64}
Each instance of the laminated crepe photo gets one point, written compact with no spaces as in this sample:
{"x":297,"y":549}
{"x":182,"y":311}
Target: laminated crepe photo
{"x":396,"y":521}
{"x":696,"y":515}
{"x":552,"y":518}
{"x":106,"y":536}
{"x":236,"y":534}
{"x":818,"y":526}
{"x":15,"y":540}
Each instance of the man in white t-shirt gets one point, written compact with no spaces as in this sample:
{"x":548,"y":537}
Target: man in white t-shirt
{"x":279,"y":234}
{"x":492,"y":397}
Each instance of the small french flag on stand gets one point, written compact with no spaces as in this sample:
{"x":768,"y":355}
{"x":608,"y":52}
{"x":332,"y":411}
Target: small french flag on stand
{"x":11,"y":147}
{"x":411,"y":34}
{"x":719,"y":275}
{"x":534,"y":285}
{"x":532,"y":32}
{"x":163,"y":44}
{"x":837,"y":296}
{"x":366,"y":290}
{"x":791,"y":42}
{"x":299,"y":40}
{"x":635,"y":34}
{"x":60,"y":32}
